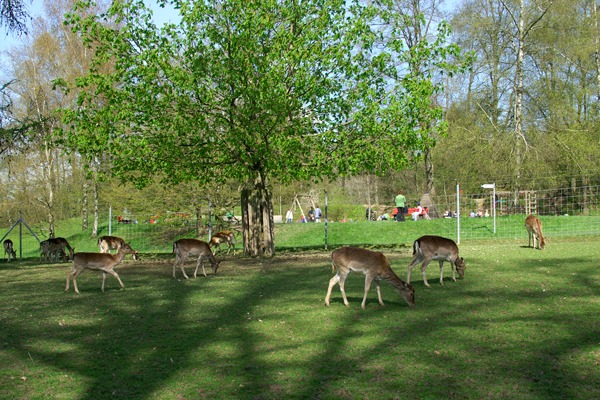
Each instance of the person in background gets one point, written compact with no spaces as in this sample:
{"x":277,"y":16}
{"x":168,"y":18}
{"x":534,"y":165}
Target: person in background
{"x":289,"y":217}
{"x":311,"y":215}
{"x":318,"y":214}
{"x":400,"y":202}
{"x":415,"y":215}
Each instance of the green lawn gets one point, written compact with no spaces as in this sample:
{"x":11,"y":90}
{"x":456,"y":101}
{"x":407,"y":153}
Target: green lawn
{"x":523,"y":324}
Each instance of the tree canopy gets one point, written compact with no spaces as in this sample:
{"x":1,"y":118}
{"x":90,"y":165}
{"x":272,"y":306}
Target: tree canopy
{"x":253,"y":90}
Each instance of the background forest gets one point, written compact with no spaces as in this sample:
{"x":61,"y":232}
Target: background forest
{"x":524,"y":116}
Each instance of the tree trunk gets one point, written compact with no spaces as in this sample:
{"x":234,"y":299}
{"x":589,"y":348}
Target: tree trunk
{"x":519,"y":91}
{"x":597,"y":44}
{"x":84,"y":206}
{"x":429,"y":170}
{"x":50,"y":182}
{"x":96,"y":212}
{"x":257,"y":219}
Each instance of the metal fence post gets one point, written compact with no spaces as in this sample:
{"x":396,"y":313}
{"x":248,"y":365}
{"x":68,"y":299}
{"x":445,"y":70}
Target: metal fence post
{"x":458,"y":213}
{"x":209,"y":220}
{"x":326,"y":220}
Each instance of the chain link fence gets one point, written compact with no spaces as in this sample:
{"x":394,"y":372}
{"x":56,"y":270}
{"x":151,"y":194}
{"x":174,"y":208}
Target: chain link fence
{"x":566,"y":212}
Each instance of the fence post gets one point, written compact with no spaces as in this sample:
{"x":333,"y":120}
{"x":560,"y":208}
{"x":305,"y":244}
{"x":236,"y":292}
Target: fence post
{"x":109,"y":221}
{"x":326,"y":220}
{"x":458,"y":213}
{"x":209,"y":220}
{"x":21,"y":236}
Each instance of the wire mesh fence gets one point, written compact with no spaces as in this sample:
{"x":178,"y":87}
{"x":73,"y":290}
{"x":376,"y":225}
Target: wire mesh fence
{"x":567,"y":212}
{"x":156,"y":232}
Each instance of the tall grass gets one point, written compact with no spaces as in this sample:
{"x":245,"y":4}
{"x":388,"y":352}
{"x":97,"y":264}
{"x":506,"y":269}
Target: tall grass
{"x":523,"y":324}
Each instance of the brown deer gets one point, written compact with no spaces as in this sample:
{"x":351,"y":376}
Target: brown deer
{"x":223,"y":237}
{"x":183,"y":248}
{"x":9,"y":250}
{"x":50,"y":249}
{"x":374,"y":265}
{"x":45,"y":249}
{"x":534,"y":228}
{"x":104,"y":262}
{"x":61,"y":245}
{"x":436,"y":248}
{"x":108,"y":243}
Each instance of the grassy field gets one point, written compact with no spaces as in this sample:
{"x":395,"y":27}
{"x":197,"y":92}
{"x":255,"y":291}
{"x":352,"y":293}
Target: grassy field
{"x":523,"y":324}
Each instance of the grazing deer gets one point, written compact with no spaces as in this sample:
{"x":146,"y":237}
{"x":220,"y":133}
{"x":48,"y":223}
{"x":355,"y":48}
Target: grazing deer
{"x":436,"y":248}
{"x":45,"y":249}
{"x":534,"y":228}
{"x":108,"y":243}
{"x":50,"y":249}
{"x":104,"y":262}
{"x":60,"y":245}
{"x":183,"y":248}
{"x":223,"y":237}
{"x":374,"y":265}
{"x":9,"y":250}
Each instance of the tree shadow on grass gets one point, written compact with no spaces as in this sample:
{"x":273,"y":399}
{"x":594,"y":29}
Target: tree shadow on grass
{"x":246,"y":333}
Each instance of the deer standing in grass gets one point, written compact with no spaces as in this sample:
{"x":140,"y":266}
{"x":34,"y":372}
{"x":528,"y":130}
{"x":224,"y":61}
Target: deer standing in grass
{"x":104,"y":262}
{"x":56,"y":245}
{"x":183,"y":248}
{"x":374,"y":265}
{"x":534,"y":228}
{"x":9,"y":250}
{"x":436,"y":248}
{"x":223,"y":237}
{"x":45,"y":249}
{"x":50,"y":249}
{"x":108,"y":243}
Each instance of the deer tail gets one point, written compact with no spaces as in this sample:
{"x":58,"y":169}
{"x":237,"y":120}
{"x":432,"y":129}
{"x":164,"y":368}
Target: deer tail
{"x":415,"y":247}
{"x":332,"y":264}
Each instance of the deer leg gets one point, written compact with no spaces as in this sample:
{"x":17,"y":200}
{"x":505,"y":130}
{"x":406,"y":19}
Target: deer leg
{"x":177,"y":260}
{"x":75,"y":275}
{"x":442,"y":272}
{"x":113,"y":273}
{"x":378,"y":283}
{"x":103,"y":279}
{"x":199,"y":263}
{"x":181,"y":262}
{"x":69,"y":277}
{"x":414,"y":262}
{"x":233,"y":245}
{"x":342,"y":281}
{"x":332,"y":283}
{"x":368,"y":280}
{"x":423,"y":268}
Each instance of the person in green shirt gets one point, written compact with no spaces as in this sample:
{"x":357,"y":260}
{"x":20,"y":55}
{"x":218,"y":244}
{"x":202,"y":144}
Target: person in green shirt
{"x":400,"y":201}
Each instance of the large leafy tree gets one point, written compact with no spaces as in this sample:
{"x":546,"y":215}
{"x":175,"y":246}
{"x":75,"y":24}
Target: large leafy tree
{"x":254,"y":90}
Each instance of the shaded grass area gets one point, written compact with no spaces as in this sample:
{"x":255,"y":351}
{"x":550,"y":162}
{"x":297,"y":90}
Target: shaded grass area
{"x":523,"y":324}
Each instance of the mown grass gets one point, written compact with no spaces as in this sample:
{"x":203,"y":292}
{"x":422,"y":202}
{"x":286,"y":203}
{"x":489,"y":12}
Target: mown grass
{"x":523,"y":324}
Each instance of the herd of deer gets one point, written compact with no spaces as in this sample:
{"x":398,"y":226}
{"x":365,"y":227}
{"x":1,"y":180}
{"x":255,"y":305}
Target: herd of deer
{"x":374,"y":265}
